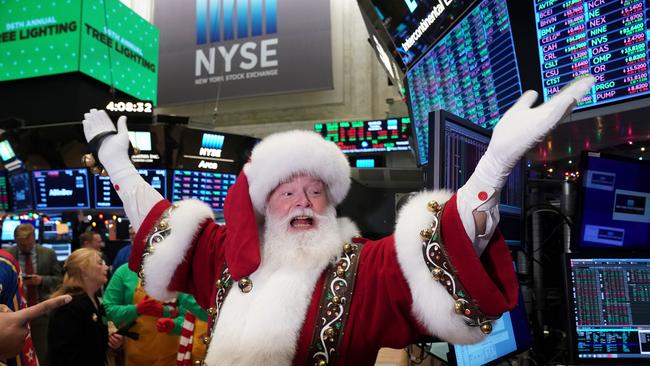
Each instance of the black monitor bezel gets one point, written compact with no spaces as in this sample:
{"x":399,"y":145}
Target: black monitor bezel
{"x":568,"y":285}
{"x":12,"y":201}
{"x":50,"y":208}
{"x":579,"y":216}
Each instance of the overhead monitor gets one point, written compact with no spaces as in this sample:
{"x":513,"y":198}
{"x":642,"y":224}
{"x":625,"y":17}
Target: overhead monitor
{"x":4,"y":194}
{"x":56,"y":229}
{"x":414,"y":25}
{"x":208,"y":187}
{"x":140,"y":140}
{"x":510,"y":335}
{"x":9,"y":225}
{"x":608,"y":303}
{"x":471,"y":72}
{"x":107,"y":198}
{"x":614,"y":203}
{"x":20,"y":191}
{"x":213,"y":151}
{"x":62,"y":250}
{"x":61,"y":189}
{"x":6,"y":152}
{"x":383,"y":135}
{"x":607,"y":39}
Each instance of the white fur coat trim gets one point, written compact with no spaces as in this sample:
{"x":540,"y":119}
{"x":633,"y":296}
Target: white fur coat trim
{"x":282,"y":155}
{"x":184,"y":223}
{"x":432,"y":306}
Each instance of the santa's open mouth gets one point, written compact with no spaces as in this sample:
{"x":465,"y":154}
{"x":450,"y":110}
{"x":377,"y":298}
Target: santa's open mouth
{"x":302,"y":222}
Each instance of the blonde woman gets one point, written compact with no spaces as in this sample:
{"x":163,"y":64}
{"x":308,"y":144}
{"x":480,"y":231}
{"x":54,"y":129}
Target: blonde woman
{"x":78,"y":334}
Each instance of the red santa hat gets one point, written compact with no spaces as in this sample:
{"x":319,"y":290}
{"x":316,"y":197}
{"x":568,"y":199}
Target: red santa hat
{"x":275,"y":160}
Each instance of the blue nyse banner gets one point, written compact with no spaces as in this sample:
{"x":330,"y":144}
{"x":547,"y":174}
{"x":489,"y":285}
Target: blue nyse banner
{"x":238,"y":48}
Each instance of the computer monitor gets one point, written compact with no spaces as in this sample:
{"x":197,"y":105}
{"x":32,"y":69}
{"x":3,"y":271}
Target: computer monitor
{"x":20,"y":191}
{"x":62,"y":250}
{"x":61,"y":189}
{"x":609,"y":305}
{"x":457,"y":146}
{"x":510,"y":335}
{"x":383,"y":135}
{"x":614,"y":203}
{"x":9,"y":225}
{"x":472,"y":72}
{"x":106,"y":197}
{"x":56,"y":229}
{"x":4,"y":194}
{"x":6,"y":152}
{"x":208,"y":187}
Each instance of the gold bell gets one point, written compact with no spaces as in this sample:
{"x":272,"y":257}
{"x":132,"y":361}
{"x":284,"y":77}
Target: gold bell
{"x":486,"y":328}
{"x":320,"y":362}
{"x":336,"y":300}
{"x":136,"y":151}
{"x":163,"y":225}
{"x":205,"y":340}
{"x":433,"y":206}
{"x":212,"y":311}
{"x":95,"y":170}
{"x":437,"y":273}
{"x":426,"y":234}
{"x":103,"y":173}
{"x":459,"y":307}
{"x":329,"y":332}
{"x":340,"y":271}
{"x":88,"y":160}
{"x":198,"y":363}
{"x":347,"y":248}
{"x":219,"y":284}
{"x":245,"y":285}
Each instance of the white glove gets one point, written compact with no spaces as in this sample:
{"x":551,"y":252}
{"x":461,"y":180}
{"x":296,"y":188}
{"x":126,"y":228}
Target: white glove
{"x":114,"y":150}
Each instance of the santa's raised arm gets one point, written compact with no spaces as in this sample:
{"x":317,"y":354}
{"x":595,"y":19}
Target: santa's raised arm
{"x":285,"y":282}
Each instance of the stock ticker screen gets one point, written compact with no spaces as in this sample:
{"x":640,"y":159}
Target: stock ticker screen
{"x":367,"y":136}
{"x":611,"y":307}
{"x":107,"y":198}
{"x":4,"y":194}
{"x":209,"y":187}
{"x":608,"y":39}
{"x":472,"y":72}
{"x":61,"y":189}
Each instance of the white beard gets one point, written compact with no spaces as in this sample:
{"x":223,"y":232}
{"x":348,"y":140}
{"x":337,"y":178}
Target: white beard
{"x":263,"y":326}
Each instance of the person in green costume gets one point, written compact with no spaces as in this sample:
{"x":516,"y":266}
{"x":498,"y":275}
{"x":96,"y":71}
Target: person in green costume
{"x":128,"y":306}
{"x":192,"y":328}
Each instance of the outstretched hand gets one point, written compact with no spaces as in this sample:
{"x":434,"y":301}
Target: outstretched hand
{"x":14,"y":325}
{"x":114,"y":150}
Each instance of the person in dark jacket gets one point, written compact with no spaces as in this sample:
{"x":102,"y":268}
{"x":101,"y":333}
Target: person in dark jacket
{"x":78,"y":331}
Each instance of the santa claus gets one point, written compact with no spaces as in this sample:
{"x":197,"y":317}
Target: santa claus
{"x":286,"y":282}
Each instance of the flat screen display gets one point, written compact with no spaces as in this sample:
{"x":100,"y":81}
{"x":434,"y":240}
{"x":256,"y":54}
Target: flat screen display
{"x":107,"y":198}
{"x":20,"y":191}
{"x":614,"y":203}
{"x":471,"y":72}
{"x":63,"y":189}
{"x":214,"y":151}
{"x":209,"y":187}
{"x":368,"y":136}
{"x":609,"y":305}
{"x":4,"y":194}
{"x":608,"y":39}
{"x":55,"y":229}
{"x":6,"y":152}
{"x":62,"y":250}
{"x":9,"y":225}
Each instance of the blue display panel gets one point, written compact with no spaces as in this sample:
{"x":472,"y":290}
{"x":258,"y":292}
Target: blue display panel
{"x":20,"y":191}
{"x":472,"y":72}
{"x":209,"y":187}
{"x":615,"y":203}
{"x":609,"y":306}
{"x":608,"y":39}
{"x":9,"y":225}
{"x":63,"y":189}
{"x":367,"y":136}
{"x":62,"y":250}
{"x":107,"y":198}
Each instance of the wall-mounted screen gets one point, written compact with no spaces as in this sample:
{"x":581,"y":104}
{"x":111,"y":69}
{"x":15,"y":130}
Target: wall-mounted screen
{"x":107,"y":198}
{"x":4,"y":192}
{"x":368,"y":136}
{"x":471,"y":72}
{"x":62,"y":250}
{"x":209,"y":187}
{"x":10,"y":224}
{"x":20,"y":191}
{"x":214,"y":151}
{"x":61,"y":189}
{"x":614,"y":210}
{"x":608,"y":39}
{"x":6,"y":152}
{"x":55,"y":229}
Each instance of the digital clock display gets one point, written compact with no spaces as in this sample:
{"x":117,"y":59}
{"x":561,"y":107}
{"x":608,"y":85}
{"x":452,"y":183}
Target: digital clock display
{"x":130,"y":107}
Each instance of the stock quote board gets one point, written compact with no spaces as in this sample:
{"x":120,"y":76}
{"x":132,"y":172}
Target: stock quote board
{"x":606,"y":38}
{"x":472,"y":72}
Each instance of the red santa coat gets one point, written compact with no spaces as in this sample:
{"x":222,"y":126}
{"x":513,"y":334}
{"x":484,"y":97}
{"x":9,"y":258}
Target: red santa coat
{"x":395,"y":300}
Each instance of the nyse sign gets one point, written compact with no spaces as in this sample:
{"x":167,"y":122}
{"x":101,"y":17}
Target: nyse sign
{"x":234,"y":48}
